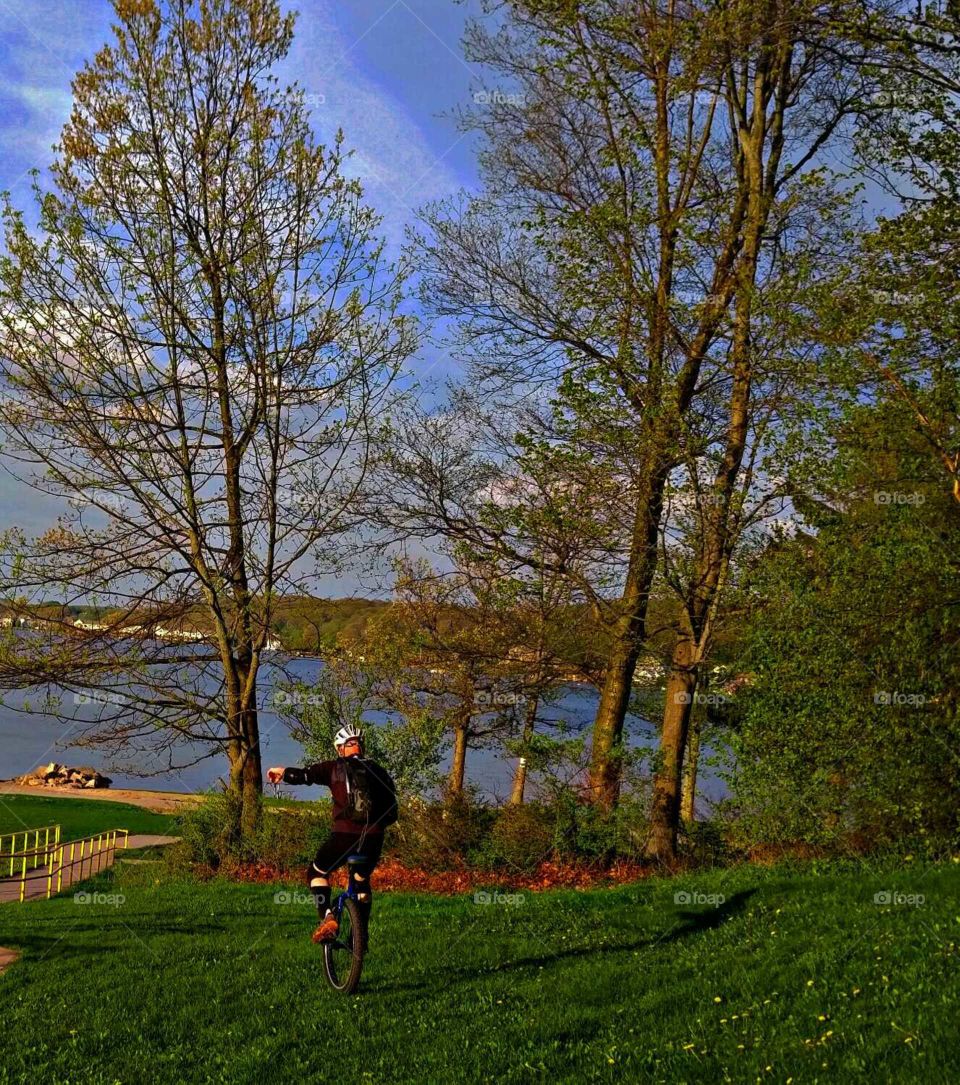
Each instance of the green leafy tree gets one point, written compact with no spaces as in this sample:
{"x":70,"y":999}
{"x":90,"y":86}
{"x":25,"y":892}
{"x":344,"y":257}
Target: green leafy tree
{"x":850,"y":729}
{"x":194,"y":345}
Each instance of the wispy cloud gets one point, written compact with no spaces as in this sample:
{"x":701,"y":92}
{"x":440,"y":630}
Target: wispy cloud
{"x":392,"y":155}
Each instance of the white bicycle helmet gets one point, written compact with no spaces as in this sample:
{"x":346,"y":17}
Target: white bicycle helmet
{"x":345,"y":734}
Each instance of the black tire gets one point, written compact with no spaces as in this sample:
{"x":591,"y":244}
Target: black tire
{"x":343,"y":958}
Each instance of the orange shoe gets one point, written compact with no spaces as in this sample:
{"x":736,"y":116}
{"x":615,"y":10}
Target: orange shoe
{"x":327,"y":931}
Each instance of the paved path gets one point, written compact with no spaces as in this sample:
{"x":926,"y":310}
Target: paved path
{"x":37,"y":879}
{"x":7,"y":957}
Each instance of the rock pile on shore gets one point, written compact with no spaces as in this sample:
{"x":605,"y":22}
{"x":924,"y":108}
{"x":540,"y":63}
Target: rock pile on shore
{"x":55,"y":775}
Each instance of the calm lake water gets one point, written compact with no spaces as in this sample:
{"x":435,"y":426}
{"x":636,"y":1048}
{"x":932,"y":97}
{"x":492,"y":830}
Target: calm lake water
{"x":32,"y":738}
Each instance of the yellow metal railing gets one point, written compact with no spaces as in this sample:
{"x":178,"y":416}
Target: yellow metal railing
{"x":38,"y":843}
{"x":87,"y":854}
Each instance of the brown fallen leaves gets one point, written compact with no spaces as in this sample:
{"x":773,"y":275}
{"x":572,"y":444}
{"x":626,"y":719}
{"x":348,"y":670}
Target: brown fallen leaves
{"x":394,"y":876}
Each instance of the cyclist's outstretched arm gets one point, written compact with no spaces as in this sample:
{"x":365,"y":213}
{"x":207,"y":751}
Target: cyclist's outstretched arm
{"x":312,"y":774}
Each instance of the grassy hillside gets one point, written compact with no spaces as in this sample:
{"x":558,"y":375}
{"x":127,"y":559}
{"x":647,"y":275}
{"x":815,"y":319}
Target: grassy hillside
{"x":78,"y":818}
{"x":797,"y":975}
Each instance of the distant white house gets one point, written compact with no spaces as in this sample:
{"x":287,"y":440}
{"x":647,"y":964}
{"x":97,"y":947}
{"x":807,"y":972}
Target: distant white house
{"x":178,"y":634}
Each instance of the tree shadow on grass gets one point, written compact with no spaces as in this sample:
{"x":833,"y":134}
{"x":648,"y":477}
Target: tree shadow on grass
{"x":689,"y":923}
{"x":92,"y":936}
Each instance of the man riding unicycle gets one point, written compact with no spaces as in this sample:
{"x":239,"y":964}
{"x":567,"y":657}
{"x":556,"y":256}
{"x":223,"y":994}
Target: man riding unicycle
{"x":364,"y":804}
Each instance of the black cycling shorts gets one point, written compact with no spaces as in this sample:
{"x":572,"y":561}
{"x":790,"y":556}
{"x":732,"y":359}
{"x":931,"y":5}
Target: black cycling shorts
{"x":337,"y":849}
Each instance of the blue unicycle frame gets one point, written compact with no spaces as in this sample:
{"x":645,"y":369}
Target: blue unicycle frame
{"x":353,"y":861}
{"x":343,"y":957}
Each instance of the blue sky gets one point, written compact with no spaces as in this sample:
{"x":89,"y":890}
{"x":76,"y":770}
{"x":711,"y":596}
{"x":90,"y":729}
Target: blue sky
{"x":389,"y":72}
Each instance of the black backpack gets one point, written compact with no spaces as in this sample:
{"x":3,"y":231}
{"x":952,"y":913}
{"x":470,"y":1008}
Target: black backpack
{"x":359,"y":804}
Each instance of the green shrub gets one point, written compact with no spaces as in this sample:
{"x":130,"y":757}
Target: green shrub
{"x":286,"y":836}
{"x":521,"y":836}
{"x":706,"y":843}
{"x":206,"y":830}
{"x":439,"y":835}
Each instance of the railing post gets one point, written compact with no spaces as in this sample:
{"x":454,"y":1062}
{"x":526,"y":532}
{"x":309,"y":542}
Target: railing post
{"x":70,"y":879}
{"x":92,"y":854}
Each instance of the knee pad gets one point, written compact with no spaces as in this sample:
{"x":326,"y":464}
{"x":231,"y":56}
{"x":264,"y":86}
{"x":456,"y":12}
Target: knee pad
{"x":313,"y":872}
{"x":362,"y":883}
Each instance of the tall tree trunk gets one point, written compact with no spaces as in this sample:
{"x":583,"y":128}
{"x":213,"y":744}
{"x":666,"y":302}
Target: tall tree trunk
{"x":252,"y":776}
{"x":665,"y":807}
{"x":459,"y":763}
{"x":246,"y":769}
{"x":520,"y":772}
{"x":606,"y":749}
{"x":605,"y":753}
{"x":688,"y":795}
{"x":721,"y":524}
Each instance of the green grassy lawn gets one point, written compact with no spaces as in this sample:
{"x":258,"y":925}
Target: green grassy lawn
{"x":797,"y":975}
{"x":78,"y":818}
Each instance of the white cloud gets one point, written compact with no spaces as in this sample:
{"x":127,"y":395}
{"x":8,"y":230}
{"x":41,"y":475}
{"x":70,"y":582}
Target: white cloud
{"x":392,"y":155}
